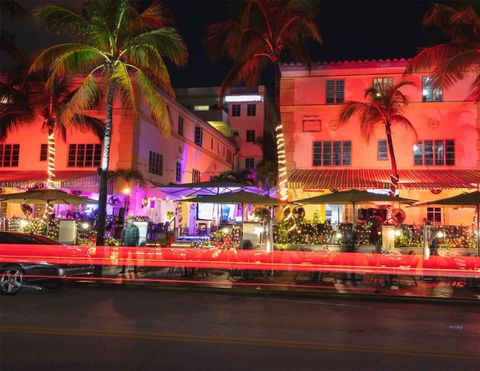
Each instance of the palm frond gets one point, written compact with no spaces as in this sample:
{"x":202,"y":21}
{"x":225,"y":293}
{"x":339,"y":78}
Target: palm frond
{"x":84,"y":98}
{"x":475,"y":93}
{"x":59,"y":17}
{"x":405,"y":122}
{"x":123,"y":84}
{"x":157,"y":15}
{"x":48,"y":56}
{"x":247,"y":71}
{"x":89,"y":123}
{"x":168,"y":42}
{"x":148,"y":59}
{"x":455,"y":68}
{"x":155,"y":102}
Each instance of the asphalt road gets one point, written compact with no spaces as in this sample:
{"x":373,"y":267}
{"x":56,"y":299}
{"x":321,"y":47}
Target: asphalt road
{"x":117,"y":328}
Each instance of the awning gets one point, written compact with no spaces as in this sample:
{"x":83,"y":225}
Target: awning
{"x":316,"y":179}
{"x":85,"y":181}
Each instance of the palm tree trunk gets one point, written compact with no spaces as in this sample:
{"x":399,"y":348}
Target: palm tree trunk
{"x":394,"y":177}
{"x":51,"y":157}
{"x":102,"y":199}
{"x":282,"y":164}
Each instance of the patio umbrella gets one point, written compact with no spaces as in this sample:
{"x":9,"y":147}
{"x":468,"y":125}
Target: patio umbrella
{"x":46,"y":197}
{"x":354,"y":197}
{"x":471,"y":199}
{"x":240,"y":198}
{"x":204,"y":188}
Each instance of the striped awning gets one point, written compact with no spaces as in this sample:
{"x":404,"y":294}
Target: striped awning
{"x":313,"y":179}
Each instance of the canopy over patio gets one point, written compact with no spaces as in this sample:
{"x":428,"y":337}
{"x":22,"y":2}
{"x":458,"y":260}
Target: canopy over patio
{"x":204,"y":188}
{"x":471,"y":199}
{"x":241,"y":197}
{"x":316,"y":179}
{"x":352,"y":196}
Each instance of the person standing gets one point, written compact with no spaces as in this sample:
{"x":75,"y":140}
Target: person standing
{"x":130,"y":238}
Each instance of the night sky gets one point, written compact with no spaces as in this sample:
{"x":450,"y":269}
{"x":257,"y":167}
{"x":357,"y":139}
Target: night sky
{"x":351,"y":30}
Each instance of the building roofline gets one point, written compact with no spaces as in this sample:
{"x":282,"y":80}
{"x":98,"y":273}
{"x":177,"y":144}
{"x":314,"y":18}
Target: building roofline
{"x":366,"y":63}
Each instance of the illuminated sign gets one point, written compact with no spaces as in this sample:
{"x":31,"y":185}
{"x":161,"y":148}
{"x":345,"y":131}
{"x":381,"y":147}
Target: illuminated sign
{"x":243,"y":98}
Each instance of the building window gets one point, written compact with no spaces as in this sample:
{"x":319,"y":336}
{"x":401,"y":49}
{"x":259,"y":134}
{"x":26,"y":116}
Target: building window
{"x":338,"y":153}
{"x":251,"y":136}
{"x":335,"y":91}
{"x":228,"y":156}
{"x":236,"y":110}
{"x":382,"y":83}
{"x":235,"y":133}
{"x":180,"y":125}
{"x":9,"y":154}
{"x":429,"y":94}
{"x":249,"y":163}
{"x":218,"y":148}
{"x":84,"y":155}
{"x":178,"y":172}
{"x":434,"y":152}
{"x":251,"y":109}
{"x":198,"y":136}
{"x":155,"y":163}
{"x":382,"y":152}
{"x":43,"y":152}
{"x":211,"y":144}
{"x":195,"y":176}
{"x":434,"y":215}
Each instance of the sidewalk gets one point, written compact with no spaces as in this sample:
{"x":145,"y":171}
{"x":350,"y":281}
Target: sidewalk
{"x":286,"y":283}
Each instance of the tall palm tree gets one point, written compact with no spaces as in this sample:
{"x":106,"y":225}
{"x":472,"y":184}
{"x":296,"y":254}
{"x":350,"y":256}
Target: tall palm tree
{"x":25,"y":102}
{"x":265,"y":32}
{"x":459,"y":56}
{"x":385,"y":106}
{"x":120,"y":50}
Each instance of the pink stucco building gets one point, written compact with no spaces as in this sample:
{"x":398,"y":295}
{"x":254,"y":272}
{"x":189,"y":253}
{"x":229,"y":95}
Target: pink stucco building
{"x":324,"y":155}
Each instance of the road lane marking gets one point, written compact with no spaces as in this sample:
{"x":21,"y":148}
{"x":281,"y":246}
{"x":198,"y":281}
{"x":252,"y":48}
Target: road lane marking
{"x":232,"y":341}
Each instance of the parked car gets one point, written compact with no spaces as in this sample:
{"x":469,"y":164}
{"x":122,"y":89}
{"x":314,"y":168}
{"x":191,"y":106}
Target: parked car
{"x":26,"y":260}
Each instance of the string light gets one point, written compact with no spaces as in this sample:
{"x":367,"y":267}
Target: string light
{"x":282,"y":163}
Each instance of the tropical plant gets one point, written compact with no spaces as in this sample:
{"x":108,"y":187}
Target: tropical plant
{"x":385,"y":106}
{"x":265,"y":33}
{"x":459,"y":56}
{"x":246,"y":176}
{"x":24,"y":102}
{"x":120,"y":50}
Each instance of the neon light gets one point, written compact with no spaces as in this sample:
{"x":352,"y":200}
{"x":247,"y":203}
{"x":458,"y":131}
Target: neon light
{"x":300,"y":261}
{"x":243,"y":98}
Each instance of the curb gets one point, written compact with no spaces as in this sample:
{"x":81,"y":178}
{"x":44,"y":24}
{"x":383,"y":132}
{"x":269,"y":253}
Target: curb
{"x":300,"y":294}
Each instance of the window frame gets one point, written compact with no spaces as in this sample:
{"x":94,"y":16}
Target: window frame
{"x":247,"y":161}
{"x":234,"y":110}
{"x":43,"y":152}
{"x":331,"y":153}
{"x":248,"y":137}
{"x":425,"y":147}
{"x":155,"y":163}
{"x":379,"y":158}
{"x":178,"y":172}
{"x":251,"y":110}
{"x":434,"y":95}
{"x":336,"y":99}
{"x":198,"y":136}
{"x":181,"y":125}
{"x":83,"y":155}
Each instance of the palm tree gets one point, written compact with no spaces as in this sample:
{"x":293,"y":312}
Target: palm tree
{"x":265,"y":32}
{"x":385,"y":106}
{"x":24,"y":102}
{"x":246,"y":176}
{"x":120,"y":50}
{"x":459,"y":56}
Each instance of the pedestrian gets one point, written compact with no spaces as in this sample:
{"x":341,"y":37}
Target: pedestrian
{"x":130,"y":238}
{"x":433,"y":244}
